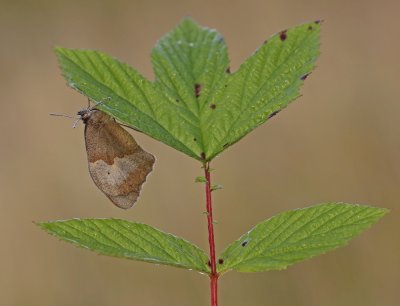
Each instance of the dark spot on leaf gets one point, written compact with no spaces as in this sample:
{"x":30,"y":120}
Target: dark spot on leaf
{"x":213,"y":106}
{"x":244,"y":243}
{"x":310,"y":28}
{"x":226,"y":85}
{"x":209,"y":263}
{"x":197,"y":90}
{"x":304,"y":76}
{"x":177,"y":100}
{"x":283,"y":35}
{"x":273,"y":114}
{"x":220,"y":261}
{"x":203,"y":155}
{"x":228,"y":70}
{"x":220,"y":39}
{"x":194,"y":139}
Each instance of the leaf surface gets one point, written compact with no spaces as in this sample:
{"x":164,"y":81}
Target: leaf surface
{"x":263,"y":85}
{"x":125,"y":239}
{"x":297,"y":235}
{"x":122,"y":91}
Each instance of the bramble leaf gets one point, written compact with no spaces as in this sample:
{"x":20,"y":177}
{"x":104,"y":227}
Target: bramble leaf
{"x":216,"y":187}
{"x":127,"y":95}
{"x":264,"y":84}
{"x":296,"y":235}
{"x":200,"y":179}
{"x":196,"y":105}
{"x":125,"y":239}
{"x":190,"y":63}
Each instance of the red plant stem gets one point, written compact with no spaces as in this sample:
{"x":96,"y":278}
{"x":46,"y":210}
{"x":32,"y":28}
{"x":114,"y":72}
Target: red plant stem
{"x":213,"y":265}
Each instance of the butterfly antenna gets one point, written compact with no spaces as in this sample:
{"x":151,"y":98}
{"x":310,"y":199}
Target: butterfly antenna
{"x":77,"y":119}
{"x":62,"y":115}
{"x":98,"y":103}
{"x":76,"y":122}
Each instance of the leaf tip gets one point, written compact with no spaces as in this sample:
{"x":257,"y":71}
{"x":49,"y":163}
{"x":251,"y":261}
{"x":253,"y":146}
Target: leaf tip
{"x":188,"y":21}
{"x":59,"y":51}
{"x":39,"y":223}
{"x":383,"y":211}
{"x":44,"y":226}
{"x":315,"y":24}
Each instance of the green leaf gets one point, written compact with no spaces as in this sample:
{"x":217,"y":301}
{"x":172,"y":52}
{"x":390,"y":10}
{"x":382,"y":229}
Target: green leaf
{"x":128,"y":96}
{"x":297,"y":235}
{"x":216,"y":187}
{"x":190,"y":64}
{"x":200,"y":179}
{"x":195,"y":104}
{"x":129,"y":240}
{"x":265,"y":84}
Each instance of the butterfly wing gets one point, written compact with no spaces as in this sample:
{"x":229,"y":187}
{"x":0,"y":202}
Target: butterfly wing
{"x":117,"y":164}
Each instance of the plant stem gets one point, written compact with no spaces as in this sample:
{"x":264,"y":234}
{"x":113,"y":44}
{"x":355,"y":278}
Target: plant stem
{"x":213,"y":275}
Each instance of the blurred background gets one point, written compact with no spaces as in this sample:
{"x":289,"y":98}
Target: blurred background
{"x":339,"y":142}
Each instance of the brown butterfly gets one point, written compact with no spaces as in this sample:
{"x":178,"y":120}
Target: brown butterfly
{"x":117,"y":164}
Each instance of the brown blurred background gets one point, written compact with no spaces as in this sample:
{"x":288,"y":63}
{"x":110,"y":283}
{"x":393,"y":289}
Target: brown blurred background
{"x":339,"y":142}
